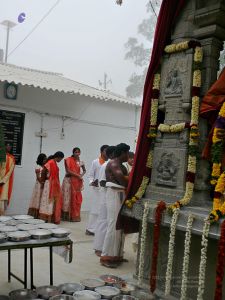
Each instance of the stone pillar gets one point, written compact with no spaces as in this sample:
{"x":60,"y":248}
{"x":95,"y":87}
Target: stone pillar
{"x":204,"y":21}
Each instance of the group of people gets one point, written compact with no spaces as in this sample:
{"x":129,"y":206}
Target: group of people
{"x":50,"y":201}
{"x":108,"y":178}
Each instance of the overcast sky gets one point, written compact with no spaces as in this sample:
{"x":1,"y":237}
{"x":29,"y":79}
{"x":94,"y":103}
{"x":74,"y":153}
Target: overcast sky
{"x":80,"y":38}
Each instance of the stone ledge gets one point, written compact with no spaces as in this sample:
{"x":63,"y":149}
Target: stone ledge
{"x":200,"y":213}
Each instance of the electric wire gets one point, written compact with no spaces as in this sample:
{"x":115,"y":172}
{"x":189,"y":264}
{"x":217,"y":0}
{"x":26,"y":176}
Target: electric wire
{"x":152,"y":7}
{"x":34,"y":28}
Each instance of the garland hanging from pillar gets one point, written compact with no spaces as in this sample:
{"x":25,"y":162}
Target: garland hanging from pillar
{"x":156,"y":235}
{"x":143,"y":242}
{"x":217,"y":176}
{"x":169,"y":269}
{"x":203,"y":260}
{"x":192,"y":126}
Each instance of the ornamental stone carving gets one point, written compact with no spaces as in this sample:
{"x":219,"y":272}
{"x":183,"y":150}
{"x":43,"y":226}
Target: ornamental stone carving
{"x":167,"y":169}
{"x":173,"y":84}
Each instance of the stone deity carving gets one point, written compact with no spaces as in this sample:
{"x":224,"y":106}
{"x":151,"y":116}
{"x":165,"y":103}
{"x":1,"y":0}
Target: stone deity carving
{"x":174,"y":84}
{"x":167,"y":169}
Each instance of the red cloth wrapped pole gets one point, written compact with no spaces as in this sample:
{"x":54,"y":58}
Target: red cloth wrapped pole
{"x":169,"y":12}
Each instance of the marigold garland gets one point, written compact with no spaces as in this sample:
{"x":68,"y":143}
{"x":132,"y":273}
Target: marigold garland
{"x":218,"y":209}
{"x":220,"y":265}
{"x":143,"y":242}
{"x":186,"y":259}
{"x":169,"y":269}
{"x":156,"y":235}
{"x":218,"y":140}
{"x":129,"y":203}
{"x":203,"y":260}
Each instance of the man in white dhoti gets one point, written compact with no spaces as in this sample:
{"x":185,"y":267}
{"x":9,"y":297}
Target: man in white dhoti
{"x":95,"y":196}
{"x":116,"y":182}
{"x":102,"y":217}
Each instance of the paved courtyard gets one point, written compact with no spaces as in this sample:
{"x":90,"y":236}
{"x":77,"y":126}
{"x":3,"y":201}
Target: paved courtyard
{"x":85,"y":263}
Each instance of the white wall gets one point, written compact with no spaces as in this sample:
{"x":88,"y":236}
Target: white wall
{"x":98,"y":123}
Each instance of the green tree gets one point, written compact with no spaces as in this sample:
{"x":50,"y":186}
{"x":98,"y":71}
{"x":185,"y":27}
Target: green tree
{"x":138,"y":50}
{"x":2,"y":145}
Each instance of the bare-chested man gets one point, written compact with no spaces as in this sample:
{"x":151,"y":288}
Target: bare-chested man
{"x":116,"y":183}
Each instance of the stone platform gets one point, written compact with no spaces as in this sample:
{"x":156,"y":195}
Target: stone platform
{"x":199,"y":215}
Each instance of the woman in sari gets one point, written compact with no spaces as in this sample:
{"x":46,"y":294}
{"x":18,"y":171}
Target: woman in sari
{"x":6,"y":179}
{"x":51,"y":199}
{"x":72,"y":187}
{"x":38,"y":187}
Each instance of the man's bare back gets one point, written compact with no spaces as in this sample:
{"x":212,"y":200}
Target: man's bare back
{"x":116,"y":172}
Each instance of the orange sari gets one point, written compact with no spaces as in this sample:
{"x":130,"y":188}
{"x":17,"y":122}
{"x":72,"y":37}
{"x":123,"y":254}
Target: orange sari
{"x":51,"y":203}
{"x":10,"y":162}
{"x":72,"y":196}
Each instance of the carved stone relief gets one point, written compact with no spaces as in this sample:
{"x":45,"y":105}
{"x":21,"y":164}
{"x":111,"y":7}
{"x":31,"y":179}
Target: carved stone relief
{"x":173,"y":84}
{"x":167,"y":169}
{"x":175,"y":89}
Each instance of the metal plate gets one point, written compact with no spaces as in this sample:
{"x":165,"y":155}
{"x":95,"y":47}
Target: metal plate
{"x":18,"y":236}
{"x":3,"y":239}
{"x":34,"y":221}
{"x":48,"y":291}
{"x":47,"y":226}
{"x":125,"y":287}
{"x":70,"y":288}
{"x":124,"y":297}
{"x":13,"y":222}
{"x":108,"y":291}
{"x":111,"y":279}
{"x":92,"y":283}
{"x":22,"y":294}
{"x":5,"y":218}
{"x":22,"y":217}
{"x":40,"y":234}
{"x":86,"y":295}
{"x":60,"y":232}
{"x":26,"y":227}
{"x":62,"y":297}
{"x":8,"y":228}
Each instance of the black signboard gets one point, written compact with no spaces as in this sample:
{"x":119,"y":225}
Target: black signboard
{"x":13,"y":126}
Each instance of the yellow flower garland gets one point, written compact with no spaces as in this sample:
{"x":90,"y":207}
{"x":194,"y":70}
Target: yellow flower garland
{"x":130,"y":202}
{"x":218,"y":137}
{"x":195,"y":110}
{"x":154,"y":111}
{"x":222,"y":111}
{"x":176,"y":47}
{"x":150,"y":159}
{"x":165,"y":128}
{"x":218,"y":206}
{"x":156,"y":81}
